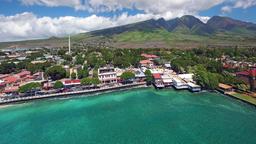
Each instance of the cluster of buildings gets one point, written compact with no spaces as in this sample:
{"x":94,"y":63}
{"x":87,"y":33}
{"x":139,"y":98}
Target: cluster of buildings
{"x":248,"y":77}
{"x":10,"y":83}
{"x":164,"y":76}
{"x":229,"y":63}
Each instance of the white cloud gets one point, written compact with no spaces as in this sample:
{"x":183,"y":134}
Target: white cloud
{"x":29,"y":26}
{"x":244,"y":4}
{"x":148,"y":6}
{"x":226,"y":9}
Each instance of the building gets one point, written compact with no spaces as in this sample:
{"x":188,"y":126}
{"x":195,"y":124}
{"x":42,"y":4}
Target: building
{"x":179,"y":83}
{"x":158,"y":82}
{"x":107,"y":74}
{"x":139,"y":75}
{"x":248,"y":77}
{"x":149,"y":56}
{"x":193,"y":87}
{"x":71,"y":83}
{"x":225,"y":88}
{"x":167,"y":80}
{"x":146,"y":63}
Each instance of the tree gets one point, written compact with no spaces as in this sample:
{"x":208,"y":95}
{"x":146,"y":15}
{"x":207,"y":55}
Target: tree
{"x":90,"y":81}
{"x":127,"y":76}
{"x":56,"y":72}
{"x":58,"y":85}
{"x":73,"y":76}
{"x":82,"y":74}
{"x":6,"y":67}
{"x":149,"y":77}
{"x":79,"y":59}
{"x":29,"y":87}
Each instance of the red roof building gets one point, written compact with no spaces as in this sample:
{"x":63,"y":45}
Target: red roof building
{"x":251,"y":72}
{"x":23,"y":74}
{"x":249,"y":77}
{"x":149,"y":56}
{"x":71,"y":82}
{"x":157,"y":76}
{"x":146,"y":63}
{"x":11,"y":89}
{"x":11,"y":80}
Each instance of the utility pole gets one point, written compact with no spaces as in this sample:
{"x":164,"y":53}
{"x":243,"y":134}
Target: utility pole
{"x":69,"y":45}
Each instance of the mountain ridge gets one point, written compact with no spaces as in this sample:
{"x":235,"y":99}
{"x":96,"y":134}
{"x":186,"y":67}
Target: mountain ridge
{"x":186,"y":31}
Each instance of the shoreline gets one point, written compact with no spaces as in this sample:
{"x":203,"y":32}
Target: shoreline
{"x":94,"y":92}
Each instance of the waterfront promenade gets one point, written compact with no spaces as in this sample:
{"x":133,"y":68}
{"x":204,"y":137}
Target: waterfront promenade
{"x":102,"y":89}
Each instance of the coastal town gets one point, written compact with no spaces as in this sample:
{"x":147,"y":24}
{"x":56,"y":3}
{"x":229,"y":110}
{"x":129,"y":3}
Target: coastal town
{"x":28,"y":73}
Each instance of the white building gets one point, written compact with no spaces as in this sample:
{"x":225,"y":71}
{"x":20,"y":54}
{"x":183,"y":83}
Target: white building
{"x":167,"y":80}
{"x":179,"y":83}
{"x":107,"y":74}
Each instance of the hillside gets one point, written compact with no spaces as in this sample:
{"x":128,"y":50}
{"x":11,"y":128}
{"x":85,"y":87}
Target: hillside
{"x":185,"y":32}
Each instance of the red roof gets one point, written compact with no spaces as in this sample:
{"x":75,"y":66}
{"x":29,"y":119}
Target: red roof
{"x":10,"y":79}
{"x":4,"y":76}
{"x":23,"y":73}
{"x":157,"y":76}
{"x":251,"y":72}
{"x":149,"y":56}
{"x":146,"y":62}
{"x":69,"y":82}
{"x":10,"y":89}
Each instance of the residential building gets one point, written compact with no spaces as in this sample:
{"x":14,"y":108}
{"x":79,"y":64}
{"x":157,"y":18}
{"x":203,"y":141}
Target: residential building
{"x":158,"y":82}
{"x":107,"y":74}
{"x":167,"y":80}
{"x":249,"y":77}
{"x":179,"y":83}
{"x":146,"y":63}
{"x":150,"y":56}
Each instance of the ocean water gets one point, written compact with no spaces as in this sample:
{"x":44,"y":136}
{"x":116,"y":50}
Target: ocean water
{"x":140,"y":116}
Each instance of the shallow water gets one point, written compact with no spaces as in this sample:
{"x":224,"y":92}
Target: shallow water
{"x":131,"y":117}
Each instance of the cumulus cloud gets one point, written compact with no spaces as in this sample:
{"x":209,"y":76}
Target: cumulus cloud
{"x":244,"y":4}
{"x":148,"y":6}
{"x":29,"y":26}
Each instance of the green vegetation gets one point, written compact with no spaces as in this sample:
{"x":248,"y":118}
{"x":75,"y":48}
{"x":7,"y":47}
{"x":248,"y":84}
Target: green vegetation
{"x":56,"y":72}
{"x":149,"y":77}
{"x":29,"y":87}
{"x":127,"y":76}
{"x":73,"y":76}
{"x":58,"y":85}
{"x":6,"y":67}
{"x":90,"y":81}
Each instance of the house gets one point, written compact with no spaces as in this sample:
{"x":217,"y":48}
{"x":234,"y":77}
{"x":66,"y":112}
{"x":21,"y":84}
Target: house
{"x":139,"y":75}
{"x":107,"y":74}
{"x":158,"y":82}
{"x":23,"y":74}
{"x":179,"y":83}
{"x":149,"y":56}
{"x":186,"y":77}
{"x":70,"y":83}
{"x":225,"y":88}
{"x":193,"y":87}
{"x":167,"y":80}
{"x":11,"y":90}
{"x":146,"y":63}
{"x":248,"y":77}
{"x":167,"y":66}
{"x":11,"y":80}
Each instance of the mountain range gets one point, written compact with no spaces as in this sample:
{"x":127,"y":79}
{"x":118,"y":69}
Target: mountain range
{"x":184,"y":32}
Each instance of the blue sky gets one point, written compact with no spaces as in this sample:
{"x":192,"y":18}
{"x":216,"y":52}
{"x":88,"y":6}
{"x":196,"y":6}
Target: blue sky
{"x":33,"y":19}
